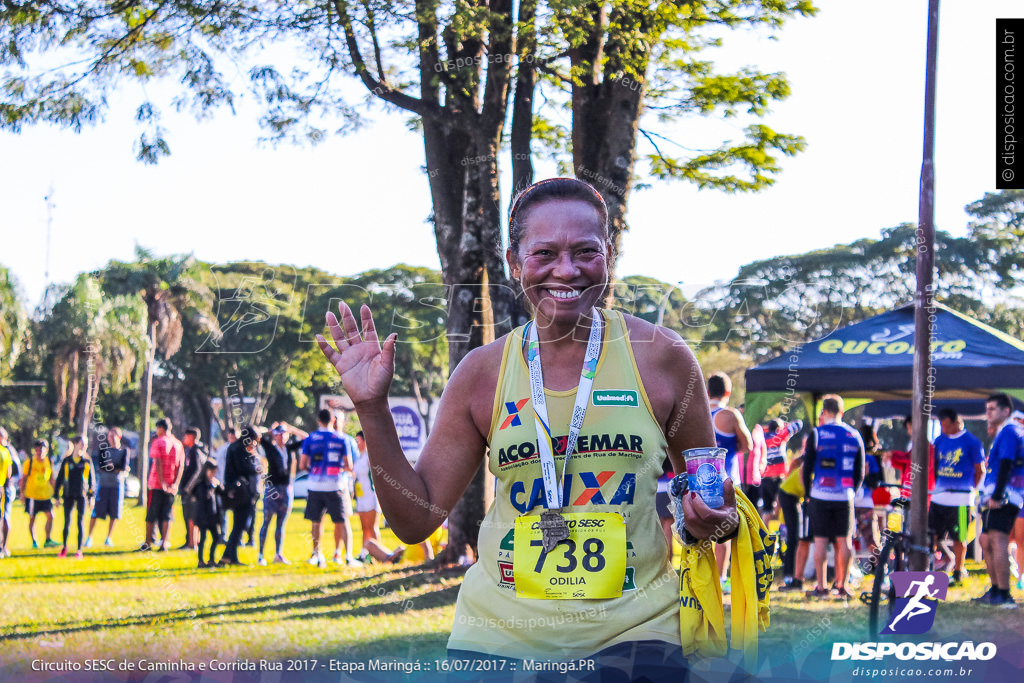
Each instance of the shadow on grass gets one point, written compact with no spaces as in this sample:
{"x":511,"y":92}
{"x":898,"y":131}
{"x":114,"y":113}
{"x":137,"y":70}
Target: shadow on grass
{"x":419,"y":647}
{"x":308,"y":603}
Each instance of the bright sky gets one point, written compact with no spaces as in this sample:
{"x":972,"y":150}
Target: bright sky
{"x":361,"y":201}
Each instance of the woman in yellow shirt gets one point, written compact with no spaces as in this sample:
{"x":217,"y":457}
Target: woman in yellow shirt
{"x":646,"y":401}
{"x":37,"y":491}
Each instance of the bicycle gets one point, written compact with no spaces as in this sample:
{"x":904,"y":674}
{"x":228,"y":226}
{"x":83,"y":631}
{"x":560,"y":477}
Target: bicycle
{"x":893,"y":557}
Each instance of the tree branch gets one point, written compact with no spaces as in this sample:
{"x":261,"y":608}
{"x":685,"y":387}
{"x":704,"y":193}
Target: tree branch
{"x":379,"y":88}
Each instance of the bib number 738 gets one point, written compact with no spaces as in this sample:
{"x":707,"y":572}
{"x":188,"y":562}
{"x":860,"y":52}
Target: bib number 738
{"x":591,"y":563}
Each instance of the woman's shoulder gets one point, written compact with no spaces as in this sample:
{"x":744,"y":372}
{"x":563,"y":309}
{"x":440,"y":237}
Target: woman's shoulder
{"x":484,"y":360}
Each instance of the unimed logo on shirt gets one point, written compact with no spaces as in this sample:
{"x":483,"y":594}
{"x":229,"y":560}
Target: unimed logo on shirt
{"x":628,"y":399}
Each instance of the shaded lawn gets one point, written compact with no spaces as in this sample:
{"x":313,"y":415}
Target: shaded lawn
{"x":121,"y":603}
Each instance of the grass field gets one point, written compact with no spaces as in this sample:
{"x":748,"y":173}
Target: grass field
{"x":118,"y":602}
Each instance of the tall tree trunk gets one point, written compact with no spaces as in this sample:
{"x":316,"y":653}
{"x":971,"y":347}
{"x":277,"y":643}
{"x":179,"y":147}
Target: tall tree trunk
{"x":147,"y":403}
{"x":522,"y":103}
{"x":606,"y":113}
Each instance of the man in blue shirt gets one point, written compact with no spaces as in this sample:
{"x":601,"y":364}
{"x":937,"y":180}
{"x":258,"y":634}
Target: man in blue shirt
{"x":1004,"y":497}
{"x":328,"y":457}
{"x":959,"y":468}
{"x":833,"y":471}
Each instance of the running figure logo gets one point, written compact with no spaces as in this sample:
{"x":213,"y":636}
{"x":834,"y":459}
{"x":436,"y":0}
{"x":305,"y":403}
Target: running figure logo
{"x":917,"y":596}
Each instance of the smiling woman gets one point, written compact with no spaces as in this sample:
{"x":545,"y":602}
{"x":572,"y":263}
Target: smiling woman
{"x":573,"y":411}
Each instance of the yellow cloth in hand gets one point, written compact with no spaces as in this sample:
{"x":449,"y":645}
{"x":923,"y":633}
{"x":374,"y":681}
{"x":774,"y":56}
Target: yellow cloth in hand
{"x":751,"y":577}
{"x":701,"y":614}
{"x":701,"y":617}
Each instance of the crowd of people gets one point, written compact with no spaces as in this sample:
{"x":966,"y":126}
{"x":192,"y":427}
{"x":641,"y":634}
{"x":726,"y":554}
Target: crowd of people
{"x":614,"y":394}
{"x":253,"y":465}
{"x":836,"y":489}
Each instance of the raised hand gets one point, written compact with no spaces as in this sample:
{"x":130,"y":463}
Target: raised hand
{"x":366,"y":369}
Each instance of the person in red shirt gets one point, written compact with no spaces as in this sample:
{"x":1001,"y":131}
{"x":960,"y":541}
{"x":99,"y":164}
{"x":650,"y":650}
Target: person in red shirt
{"x":901,"y":461}
{"x":168,"y":457}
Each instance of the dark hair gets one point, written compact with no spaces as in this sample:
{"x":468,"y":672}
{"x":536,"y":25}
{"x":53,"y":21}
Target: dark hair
{"x":360,"y":434}
{"x":210,"y":465}
{"x":832,"y":403}
{"x":908,"y":420}
{"x":947,"y":414}
{"x":719,"y":385}
{"x":546,"y":190}
{"x":163,"y":424}
{"x":77,"y":440}
{"x":869,"y":437}
{"x":231,"y":430}
{"x":194,"y":431}
{"x":40,"y":443}
{"x":1001,"y":400}
{"x":324,"y":416}
{"x":773,"y":426}
{"x":248,"y":435}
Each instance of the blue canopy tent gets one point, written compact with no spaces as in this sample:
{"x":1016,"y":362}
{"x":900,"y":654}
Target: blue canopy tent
{"x":873,"y":360}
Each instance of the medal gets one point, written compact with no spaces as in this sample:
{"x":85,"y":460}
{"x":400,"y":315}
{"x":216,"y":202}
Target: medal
{"x":553,"y":529}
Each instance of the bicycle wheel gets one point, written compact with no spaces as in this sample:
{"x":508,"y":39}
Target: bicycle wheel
{"x":889,"y":560}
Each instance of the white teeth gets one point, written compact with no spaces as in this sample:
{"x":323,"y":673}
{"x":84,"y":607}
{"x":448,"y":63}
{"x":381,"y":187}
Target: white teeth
{"x":563,"y":294}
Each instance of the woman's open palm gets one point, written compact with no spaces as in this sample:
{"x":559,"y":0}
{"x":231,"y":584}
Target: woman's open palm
{"x":365,"y":368}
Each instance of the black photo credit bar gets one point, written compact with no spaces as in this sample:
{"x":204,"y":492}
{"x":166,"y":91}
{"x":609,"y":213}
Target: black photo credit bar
{"x":1009,"y":113}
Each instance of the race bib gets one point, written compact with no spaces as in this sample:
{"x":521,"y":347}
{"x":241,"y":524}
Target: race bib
{"x":590,"y":564}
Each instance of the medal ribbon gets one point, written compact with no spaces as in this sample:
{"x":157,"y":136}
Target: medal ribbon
{"x":552,"y":486}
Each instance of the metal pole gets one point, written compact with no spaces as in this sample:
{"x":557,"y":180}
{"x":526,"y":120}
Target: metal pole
{"x":924,"y":309}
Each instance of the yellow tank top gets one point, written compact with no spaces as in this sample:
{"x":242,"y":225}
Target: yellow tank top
{"x":615,"y":469}
{"x":5,"y":464}
{"x":793,"y":484}
{"x":38,"y":476}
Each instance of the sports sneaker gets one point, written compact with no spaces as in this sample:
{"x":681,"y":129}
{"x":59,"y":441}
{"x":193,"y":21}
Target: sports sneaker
{"x":50,"y":544}
{"x":280,"y":559}
{"x":144,"y":547}
{"x":353,"y":563}
{"x":956,"y":578}
{"x":985,"y":599}
{"x":314,"y":559}
{"x":839,"y":593}
{"x":109,"y":542}
{"x":396,"y":557}
{"x":261,"y":561}
{"x":63,"y":552}
{"x":792,"y":587}
{"x":88,"y":543}
{"x":78,"y":555}
{"x":321,"y":561}
{"x":818,"y":593}
{"x":1005,"y":602}
{"x":35,"y":544}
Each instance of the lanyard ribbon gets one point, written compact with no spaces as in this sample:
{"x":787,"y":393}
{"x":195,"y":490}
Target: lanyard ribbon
{"x":552,"y":489}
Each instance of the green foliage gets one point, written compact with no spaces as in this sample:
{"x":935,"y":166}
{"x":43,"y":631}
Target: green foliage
{"x":775,"y":303}
{"x":92,"y":47}
{"x":14,"y":324}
